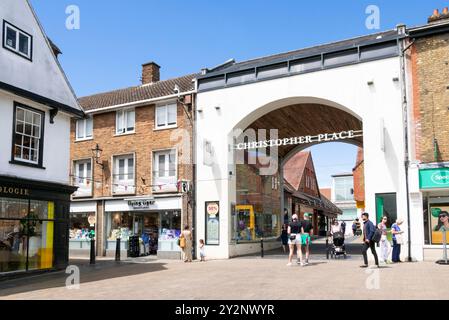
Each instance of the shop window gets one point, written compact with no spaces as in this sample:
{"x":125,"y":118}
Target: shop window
{"x":435,"y":222}
{"x":28,"y":135}
{"x":125,"y":121}
{"x":17,"y":40}
{"x":386,"y":206}
{"x":123,"y":180}
{"x":79,"y":230}
{"x":82,"y":178}
{"x":165,"y":171}
{"x":166,"y":116}
{"x":26,"y":235}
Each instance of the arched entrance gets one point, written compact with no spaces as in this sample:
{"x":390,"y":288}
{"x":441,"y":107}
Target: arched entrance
{"x":299,"y":105}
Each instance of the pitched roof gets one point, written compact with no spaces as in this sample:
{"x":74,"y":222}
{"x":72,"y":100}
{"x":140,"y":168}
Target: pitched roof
{"x":294,"y":168}
{"x":138,"y":93}
{"x":325,"y":192}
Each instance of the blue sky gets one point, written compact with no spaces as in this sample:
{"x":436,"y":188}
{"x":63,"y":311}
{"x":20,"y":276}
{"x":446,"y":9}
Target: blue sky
{"x":116,"y":37}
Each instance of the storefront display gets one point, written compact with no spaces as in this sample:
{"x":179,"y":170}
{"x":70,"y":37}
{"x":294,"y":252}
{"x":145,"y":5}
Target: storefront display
{"x":26,"y":235}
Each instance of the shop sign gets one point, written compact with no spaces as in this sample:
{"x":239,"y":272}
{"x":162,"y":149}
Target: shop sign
{"x":434,"y":178}
{"x":213,"y":223}
{"x":325,"y":137}
{"x":14,"y":191}
{"x":141,"y":204}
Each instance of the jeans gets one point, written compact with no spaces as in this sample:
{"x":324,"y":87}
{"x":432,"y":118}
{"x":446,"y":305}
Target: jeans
{"x":396,"y":251}
{"x":371,"y":246}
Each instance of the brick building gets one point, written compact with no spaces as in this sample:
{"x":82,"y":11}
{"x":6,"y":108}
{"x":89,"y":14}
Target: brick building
{"x":428,"y":71}
{"x":132,"y":161}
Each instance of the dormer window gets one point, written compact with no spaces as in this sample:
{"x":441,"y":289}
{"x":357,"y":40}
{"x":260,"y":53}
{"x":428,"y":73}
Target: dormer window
{"x":17,"y":40}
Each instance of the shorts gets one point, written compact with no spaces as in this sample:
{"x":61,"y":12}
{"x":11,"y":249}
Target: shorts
{"x":305,"y":239}
{"x":296,"y":241}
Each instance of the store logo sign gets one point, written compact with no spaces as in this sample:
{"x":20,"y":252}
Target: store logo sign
{"x":440,"y":177}
{"x":140,"y":204}
{"x":14,"y":191}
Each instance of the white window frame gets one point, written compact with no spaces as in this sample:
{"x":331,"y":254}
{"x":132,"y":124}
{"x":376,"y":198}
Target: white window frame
{"x":128,"y":185}
{"x":83,"y":122}
{"x":166,"y":179}
{"x":84,"y":183}
{"x":164,"y":108}
{"x":39,"y":138}
{"x":19,"y":32}
{"x":124,"y":113}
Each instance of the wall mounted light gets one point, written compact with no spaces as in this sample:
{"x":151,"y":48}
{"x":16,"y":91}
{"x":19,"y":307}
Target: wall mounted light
{"x":96,"y":153}
{"x":217,"y":108}
{"x":396,"y":79}
{"x":370,"y":82}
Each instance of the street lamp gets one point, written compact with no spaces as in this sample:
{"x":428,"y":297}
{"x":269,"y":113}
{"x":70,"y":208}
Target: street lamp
{"x":96,"y":153}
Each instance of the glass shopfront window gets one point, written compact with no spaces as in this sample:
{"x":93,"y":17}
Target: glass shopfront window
{"x":156,"y":230}
{"x":257,"y":213}
{"x":435,"y":223}
{"x":79,"y":230}
{"x":26,"y":235}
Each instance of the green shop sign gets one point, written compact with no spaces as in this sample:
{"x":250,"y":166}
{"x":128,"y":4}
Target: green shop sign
{"x":434,"y":178}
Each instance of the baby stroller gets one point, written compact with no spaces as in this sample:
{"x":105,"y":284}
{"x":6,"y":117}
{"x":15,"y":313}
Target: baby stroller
{"x":337,"y":248}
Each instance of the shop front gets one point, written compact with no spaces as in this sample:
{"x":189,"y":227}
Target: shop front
{"x":82,"y":214}
{"x":155,"y":221}
{"x":434,"y":185}
{"x":34,"y":220}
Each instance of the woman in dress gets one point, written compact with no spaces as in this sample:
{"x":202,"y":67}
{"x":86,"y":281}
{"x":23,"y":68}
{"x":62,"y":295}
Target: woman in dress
{"x":187,"y":250}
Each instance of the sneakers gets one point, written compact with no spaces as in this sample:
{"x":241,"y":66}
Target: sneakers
{"x":289,"y":264}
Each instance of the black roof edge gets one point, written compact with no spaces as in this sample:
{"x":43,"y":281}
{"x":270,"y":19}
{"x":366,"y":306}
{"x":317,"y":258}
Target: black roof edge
{"x":309,"y":53}
{"x":428,"y":30}
{"x":42,"y":100}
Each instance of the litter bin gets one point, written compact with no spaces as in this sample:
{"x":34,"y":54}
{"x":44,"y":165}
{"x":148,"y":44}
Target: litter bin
{"x":133,"y":247}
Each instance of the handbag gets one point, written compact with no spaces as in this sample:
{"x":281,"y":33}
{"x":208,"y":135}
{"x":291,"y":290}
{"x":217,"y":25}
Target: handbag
{"x":399,"y":239}
{"x":182,"y":242}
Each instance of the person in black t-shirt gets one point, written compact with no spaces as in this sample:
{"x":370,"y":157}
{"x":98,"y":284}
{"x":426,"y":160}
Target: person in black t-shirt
{"x":294,"y":238}
{"x":307,"y":230}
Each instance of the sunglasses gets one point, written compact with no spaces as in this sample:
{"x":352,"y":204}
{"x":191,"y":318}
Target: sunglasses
{"x":442,"y":217}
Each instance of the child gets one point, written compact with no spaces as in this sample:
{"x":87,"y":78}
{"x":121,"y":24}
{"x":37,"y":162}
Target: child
{"x":202,"y":253}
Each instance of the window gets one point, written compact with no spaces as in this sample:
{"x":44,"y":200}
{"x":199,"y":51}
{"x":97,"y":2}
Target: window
{"x":165,"y":171}
{"x":28,"y":129}
{"x":123,"y":176}
{"x":17,"y":40}
{"x":272,"y":71}
{"x":84,"y":129}
{"x":82,"y":178}
{"x":166,"y":116}
{"x":344,"y":188}
{"x":126,"y":121}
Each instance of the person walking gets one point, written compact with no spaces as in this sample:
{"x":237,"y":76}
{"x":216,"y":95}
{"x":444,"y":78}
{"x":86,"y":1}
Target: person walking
{"x":343,"y":227}
{"x":385,"y":246}
{"x":354,"y":228}
{"x":294,"y":239}
{"x":187,"y":248}
{"x":368,"y":243}
{"x":307,"y":230}
{"x":284,"y":237}
{"x":397,"y":240}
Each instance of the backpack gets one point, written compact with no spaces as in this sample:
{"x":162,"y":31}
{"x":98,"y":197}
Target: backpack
{"x":377,"y":235}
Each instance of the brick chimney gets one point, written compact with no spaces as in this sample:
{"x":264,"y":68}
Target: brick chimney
{"x":437,"y":16}
{"x":150,"y":73}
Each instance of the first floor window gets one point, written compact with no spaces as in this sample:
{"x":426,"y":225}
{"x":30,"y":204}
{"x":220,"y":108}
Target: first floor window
{"x":28,"y":125}
{"x":165,"y":171}
{"x":83,"y":177}
{"x":123,"y":176}
{"x":125,"y":121}
{"x":84,"y":129}
{"x":17,"y":40}
{"x":166,"y":116}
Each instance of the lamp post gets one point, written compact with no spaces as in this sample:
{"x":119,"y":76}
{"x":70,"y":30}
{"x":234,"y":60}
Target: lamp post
{"x":96,"y":153}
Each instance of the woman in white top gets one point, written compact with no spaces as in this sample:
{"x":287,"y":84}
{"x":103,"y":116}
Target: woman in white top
{"x":335,"y":227}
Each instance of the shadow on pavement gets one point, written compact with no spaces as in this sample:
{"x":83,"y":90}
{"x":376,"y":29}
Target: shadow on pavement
{"x":101,"y":271}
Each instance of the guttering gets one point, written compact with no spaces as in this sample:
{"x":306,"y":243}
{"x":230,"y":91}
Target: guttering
{"x":428,"y":30}
{"x":138,"y":103}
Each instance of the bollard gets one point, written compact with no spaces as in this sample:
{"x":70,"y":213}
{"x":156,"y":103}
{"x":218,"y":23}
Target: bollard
{"x":117,"y":250}
{"x":92,"y":251}
{"x":327,"y":248}
{"x":261,"y":248}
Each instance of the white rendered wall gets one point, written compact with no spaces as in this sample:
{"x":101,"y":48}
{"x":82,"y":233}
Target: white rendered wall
{"x":345,"y":88}
{"x":56,"y":144}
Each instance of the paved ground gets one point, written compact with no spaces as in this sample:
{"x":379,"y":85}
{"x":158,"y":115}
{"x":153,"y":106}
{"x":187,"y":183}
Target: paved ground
{"x":249,"y":278}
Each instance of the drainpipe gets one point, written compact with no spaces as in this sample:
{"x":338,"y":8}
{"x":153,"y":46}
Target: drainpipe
{"x":193,"y":159}
{"x":402,"y":31}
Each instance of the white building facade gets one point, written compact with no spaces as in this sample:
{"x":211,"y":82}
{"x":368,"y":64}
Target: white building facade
{"x":36,"y":105}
